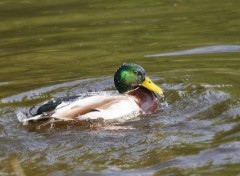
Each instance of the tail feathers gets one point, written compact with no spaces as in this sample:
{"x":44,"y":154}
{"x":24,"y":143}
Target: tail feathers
{"x":24,"y":118}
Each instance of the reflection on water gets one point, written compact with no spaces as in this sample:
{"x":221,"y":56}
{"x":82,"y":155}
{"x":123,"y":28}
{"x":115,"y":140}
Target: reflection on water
{"x":37,"y":93}
{"x":52,"y":49}
{"x":202,"y":50}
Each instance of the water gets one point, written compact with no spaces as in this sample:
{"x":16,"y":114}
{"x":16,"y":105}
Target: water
{"x":56,"y":48}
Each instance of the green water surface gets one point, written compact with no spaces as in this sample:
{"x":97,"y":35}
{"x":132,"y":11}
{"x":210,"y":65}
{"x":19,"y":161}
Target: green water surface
{"x":49,"y":42}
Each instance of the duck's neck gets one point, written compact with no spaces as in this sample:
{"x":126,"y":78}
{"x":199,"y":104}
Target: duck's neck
{"x":145,"y":99}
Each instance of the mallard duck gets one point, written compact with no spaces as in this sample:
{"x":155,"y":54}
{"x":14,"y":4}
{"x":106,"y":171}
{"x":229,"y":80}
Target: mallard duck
{"x":137,"y":95}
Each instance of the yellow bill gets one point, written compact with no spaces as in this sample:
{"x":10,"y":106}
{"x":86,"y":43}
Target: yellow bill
{"x":147,"y":83}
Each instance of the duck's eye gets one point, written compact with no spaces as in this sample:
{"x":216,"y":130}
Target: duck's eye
{"x":140,"y":75}
{"x":137,"y":72}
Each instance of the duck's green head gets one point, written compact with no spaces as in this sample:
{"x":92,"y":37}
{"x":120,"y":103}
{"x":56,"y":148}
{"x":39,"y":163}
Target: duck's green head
{"x":130,"y":76}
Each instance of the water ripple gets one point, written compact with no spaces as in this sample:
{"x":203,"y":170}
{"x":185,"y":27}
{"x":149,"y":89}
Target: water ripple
{"x":196,"y":127}
{"x":201,"y":50}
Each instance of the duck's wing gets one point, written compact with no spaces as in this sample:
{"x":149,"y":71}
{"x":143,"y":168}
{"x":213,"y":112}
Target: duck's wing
{"x":60,"y":108}
{"x":87,"y":105}
{"x":118,"y":110}
{"x":52,"y":105}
